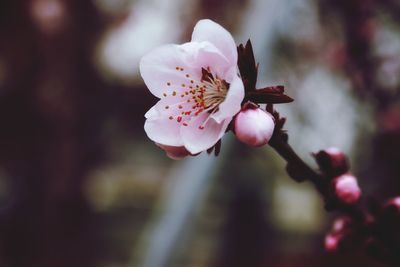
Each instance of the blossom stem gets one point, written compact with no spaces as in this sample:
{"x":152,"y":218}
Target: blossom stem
{"x":299,"y":171}
{"x":296,"y":167}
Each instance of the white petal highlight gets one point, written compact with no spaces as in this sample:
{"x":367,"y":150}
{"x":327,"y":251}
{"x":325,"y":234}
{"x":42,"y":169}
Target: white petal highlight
{"x":152,"y":112}
{"x":208,"y":30}
{"x":163,"y":131}
{"x":202,"y":133}
{"x":164,"y":69}
{"x":171,"y":68}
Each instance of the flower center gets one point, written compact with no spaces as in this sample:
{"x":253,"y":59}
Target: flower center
{"x":202,"y":96}
{"x":212,"y":93}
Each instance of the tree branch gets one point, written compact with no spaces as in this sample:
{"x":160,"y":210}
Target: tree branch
{"x":299,"y":171}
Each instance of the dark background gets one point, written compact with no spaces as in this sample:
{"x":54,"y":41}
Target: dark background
{"x":82,"y":186}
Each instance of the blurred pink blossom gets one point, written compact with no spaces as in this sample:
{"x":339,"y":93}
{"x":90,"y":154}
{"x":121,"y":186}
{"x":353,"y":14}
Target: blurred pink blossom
{"x":198,"y":86}
{"x":49,"y":15}
{"x":347,"y":189}
{"x":332,"y":242}
{"x":394,"y":202}
{"x":340,"y":233}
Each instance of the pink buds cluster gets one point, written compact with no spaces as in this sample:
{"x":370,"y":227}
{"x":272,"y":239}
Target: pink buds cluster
{"x":340,"y":232}
{"x":378,"y":233}
{"x":335,"y":167}
{"x":383,"y":238}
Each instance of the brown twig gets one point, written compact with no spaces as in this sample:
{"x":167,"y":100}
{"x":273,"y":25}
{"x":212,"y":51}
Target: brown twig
{"x":299,"y":171}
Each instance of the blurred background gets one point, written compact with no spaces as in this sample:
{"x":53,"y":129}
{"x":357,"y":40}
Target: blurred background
{"x":82,"y":186}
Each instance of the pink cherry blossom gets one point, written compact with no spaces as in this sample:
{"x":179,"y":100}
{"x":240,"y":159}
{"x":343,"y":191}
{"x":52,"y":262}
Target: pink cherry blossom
{"x":254,"y":126}
{"x":198,"y":86}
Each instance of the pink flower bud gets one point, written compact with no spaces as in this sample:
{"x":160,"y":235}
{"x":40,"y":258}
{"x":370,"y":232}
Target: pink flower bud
{"x":347,"y":189}
{"x":332,"y":161}
{"x":332,"y":242}
{"x":340,"y":235}
{"x":393,"y":207}
{"x":254,"y":126}
{"x":395,"y":202}
{"x":340,"y":225}
{"x":174,"y":152}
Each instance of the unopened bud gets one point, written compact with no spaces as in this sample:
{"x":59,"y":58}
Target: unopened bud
{"x":395,"y":202}
{"x":332,"y":242}
{"x":341,"y":224}
{"x":174,"y":152}
{"x":332,"y":161}
{"x":254,"y":126}
{"x":347,"y":189}
{"x":392,"y":210}
{"x":340,"y":234}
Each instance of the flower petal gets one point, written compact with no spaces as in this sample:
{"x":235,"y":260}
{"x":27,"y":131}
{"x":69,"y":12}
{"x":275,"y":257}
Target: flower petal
{"x":177,"y":109}
{"x":208,"y":30}
{"x":209,"y":57}
{"x":232,"y":103}
{"x":195,"y":139}
{"x":151,"y":113}
{"x":164,"y":68}
{"x":163,"y":131}
{"x":170,"y":69}
{"x":174,"y":152}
